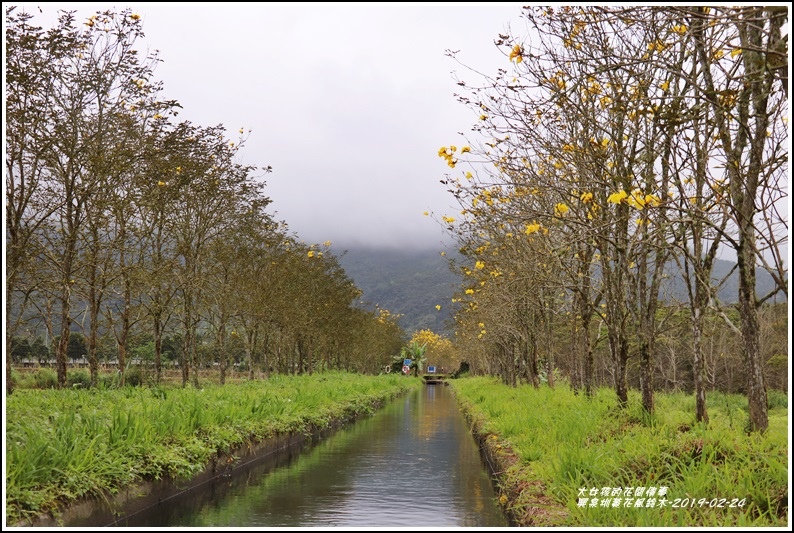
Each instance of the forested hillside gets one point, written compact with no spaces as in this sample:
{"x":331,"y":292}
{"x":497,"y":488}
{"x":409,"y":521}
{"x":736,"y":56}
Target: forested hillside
{"x":412,"y":282}
{"x":406,"y":282}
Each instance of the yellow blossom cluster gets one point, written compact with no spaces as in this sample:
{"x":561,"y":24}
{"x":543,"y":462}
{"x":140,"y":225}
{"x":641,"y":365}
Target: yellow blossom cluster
{"x":680,"y":29}
{"x":617,"y":197}
{"x":594,"y":87}
{"x":637,"y":199}
{"x":570,"y":41}
{"x":557,"y":82}
{"x":448,"y":154}
{"x":517,"y":54}
{"x":560,"y":209}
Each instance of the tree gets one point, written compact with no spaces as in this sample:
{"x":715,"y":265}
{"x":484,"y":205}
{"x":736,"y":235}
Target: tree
{"x":623,"y":138}
{"x":31,"y":57}
{"x":747,"y":101}
{"x":416,"y":353}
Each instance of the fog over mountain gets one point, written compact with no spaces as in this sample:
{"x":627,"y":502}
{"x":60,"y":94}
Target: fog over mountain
{"x":412,"y":281}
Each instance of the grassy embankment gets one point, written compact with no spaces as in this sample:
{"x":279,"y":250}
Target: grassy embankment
{"x":62,"y":445}
{"x":550,"y":444}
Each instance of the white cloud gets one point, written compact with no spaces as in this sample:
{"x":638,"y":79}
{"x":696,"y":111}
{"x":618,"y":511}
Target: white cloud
{"x":348,"y":102}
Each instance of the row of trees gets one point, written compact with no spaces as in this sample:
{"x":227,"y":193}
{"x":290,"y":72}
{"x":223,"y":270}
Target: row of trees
{"x":623,"y":144}
{"x":122,"y":221}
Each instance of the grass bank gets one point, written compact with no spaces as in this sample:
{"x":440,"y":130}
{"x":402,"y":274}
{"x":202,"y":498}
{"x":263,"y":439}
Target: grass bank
{"x":64,"y":445}
{"x":566,"y":460}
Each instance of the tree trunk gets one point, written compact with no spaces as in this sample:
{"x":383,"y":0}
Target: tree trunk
{"x":646,"y":376}
{"x":63,"y":341}
{"x":158,"y":348}
{"x":756,"y":388}
{"x":701,"y":412}
{"x":620,"y":355}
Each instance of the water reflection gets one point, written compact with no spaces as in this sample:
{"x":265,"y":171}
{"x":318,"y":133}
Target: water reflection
{"x":412,"y":464}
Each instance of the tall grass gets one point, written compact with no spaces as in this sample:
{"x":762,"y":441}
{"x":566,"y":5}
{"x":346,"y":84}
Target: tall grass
{"x":64,"y":444}
{"x":574,"y":445}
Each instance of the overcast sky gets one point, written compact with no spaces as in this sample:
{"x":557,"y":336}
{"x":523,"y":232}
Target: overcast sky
{"x":348,"y":102}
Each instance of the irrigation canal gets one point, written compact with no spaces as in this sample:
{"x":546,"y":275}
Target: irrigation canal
{"x":412,"y":464}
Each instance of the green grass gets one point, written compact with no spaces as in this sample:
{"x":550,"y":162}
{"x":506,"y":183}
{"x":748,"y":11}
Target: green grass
{"x":65,"y":444}
{"x":568,"y":443}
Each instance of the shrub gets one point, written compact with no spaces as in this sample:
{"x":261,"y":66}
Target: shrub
{"x":775,"y":398}
{"x":107,"y":381}
{"x":133,"y":376}
{"x":79,"y":378}
{"x":45,"y":378}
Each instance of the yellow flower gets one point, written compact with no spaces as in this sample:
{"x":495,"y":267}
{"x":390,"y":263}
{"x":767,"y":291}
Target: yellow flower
{"x":680,"y":29}
{"x":516,"y":54}
{"x":653,"y":200}
{"x":479,"y":265}
{"x":453,"y":148}
{"x":465,"y":149}
{"x":448,"y":220}
{"x":311,"y":253}
{"x":735,"y":52}
{"x":636,"y":200}
{"x":616,"y":198}
{"x":718,"y":54}
{"x":135,"y":16}
{"x":438,"y":307}
{"x":468,"y":175}
{"x":532,"y":228}
{"x":586,"y":197}
{"x":327,"y":243}
{"x":469,"y":291}
{"x":483,"y":117}
{"x":560,"y":209}
{"x":426,"y":213}
{"x":241,"y":130}
{"x":161,"y":183}
{"x":503,"y":499}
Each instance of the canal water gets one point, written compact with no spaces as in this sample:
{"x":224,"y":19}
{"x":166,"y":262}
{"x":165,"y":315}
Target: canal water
{"x":412,"y":464}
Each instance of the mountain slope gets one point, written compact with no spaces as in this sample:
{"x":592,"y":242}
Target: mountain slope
{"x":406,"y":282}
{"x":412,"y":282}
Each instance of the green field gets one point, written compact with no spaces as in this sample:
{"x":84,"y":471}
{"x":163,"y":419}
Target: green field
{"x":570,"y":461}
{"x":62,"y":445}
